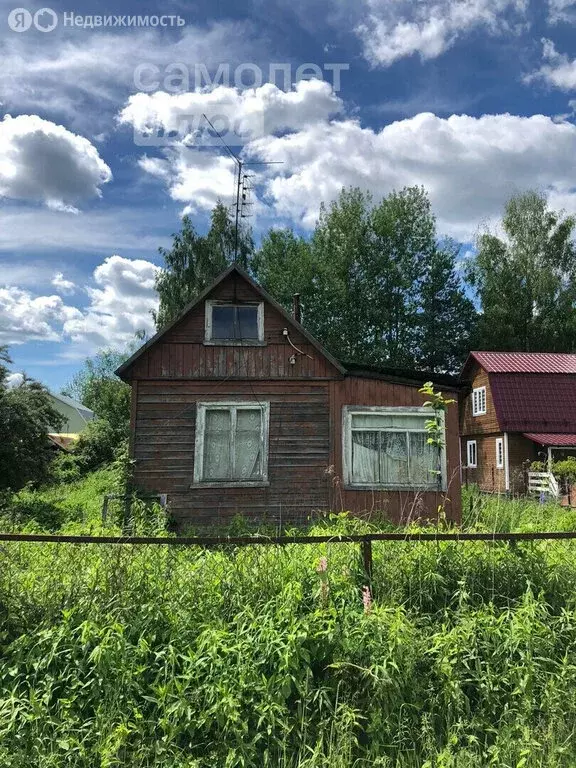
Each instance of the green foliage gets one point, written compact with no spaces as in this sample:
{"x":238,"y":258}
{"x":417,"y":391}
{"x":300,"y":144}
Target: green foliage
{"x":26,"y":417}
{"x":526,"y":282}
{"x":565,"y":469}
{"x":97,"y":387}
{"x":266,"y":657}
{"x":194,"y":261}
{"x":96,"y":445}
{"x":376,"y":284}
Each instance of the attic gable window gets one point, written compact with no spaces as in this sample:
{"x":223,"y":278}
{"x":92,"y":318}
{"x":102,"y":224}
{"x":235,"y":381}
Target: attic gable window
{"x":228,"y":323}
{"x":479,"y":401}
{"x":231,"y":444}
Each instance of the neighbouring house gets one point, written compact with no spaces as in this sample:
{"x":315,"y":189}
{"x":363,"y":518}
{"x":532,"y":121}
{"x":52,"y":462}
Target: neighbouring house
{"x":76,"y":417}
{"x":517,"y":407}
{"x":238,"y":410}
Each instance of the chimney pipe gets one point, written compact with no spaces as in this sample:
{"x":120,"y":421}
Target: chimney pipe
{"x":296,"y":307}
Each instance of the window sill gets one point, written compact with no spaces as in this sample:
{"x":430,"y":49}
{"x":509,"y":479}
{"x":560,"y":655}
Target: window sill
{"x":389,"y":488}
{"x":231,"y":484}
{"x":234,"y":343}
{"x":475,"y":415}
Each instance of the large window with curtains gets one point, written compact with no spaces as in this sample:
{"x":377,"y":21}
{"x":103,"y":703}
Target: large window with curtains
{"x":387,"y":448}
{"x":231,"y":443}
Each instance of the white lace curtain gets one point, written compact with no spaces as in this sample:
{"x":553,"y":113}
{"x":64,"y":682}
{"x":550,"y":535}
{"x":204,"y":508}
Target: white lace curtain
{"x":232,"y":444}
{"x":392,"y":457}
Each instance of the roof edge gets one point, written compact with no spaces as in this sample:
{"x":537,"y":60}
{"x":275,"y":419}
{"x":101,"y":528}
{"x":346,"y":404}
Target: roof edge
{"x":121,"y":370}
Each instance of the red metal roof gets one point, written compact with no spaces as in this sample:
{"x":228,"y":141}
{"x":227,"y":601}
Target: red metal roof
{"x":555,"y":439}
{"x":525,"y":362}
{"x":535,"y":403}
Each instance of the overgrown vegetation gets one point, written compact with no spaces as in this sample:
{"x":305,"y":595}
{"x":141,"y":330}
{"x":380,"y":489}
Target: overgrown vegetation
{"x":458,"y":654}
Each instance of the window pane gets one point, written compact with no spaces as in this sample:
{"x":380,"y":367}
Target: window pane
{"x":365,"y":457}
{"x":389,"y":421}
{"x":222,"y":322}
{"x":217,"y":464}
{"x":229,"y":322}
{"x":394,"y":458}
{"x":247,"y":323}
{"x":423,"y":460}
{"x":248,"y":444}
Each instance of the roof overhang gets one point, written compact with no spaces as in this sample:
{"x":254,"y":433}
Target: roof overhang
{"x":552,"y":439}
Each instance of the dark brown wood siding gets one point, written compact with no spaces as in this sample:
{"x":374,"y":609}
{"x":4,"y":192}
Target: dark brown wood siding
{"x":182,"y":354}
{"x":305,"y":440}
{"x":299,"y":450}
{"x":398,"y":506}
{"x":478,"y":425}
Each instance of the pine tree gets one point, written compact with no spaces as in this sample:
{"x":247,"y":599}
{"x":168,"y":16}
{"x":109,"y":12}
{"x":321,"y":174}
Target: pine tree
{"x":194,"y":261}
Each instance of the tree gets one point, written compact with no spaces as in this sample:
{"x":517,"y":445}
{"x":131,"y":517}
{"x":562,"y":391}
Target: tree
{"x":447,"y":323}
{"x":26,"y":417}
{"x":526,"y":281}
{"x":194,"y":261}
{"x":376,"y":286}
{"x":97,"y":387}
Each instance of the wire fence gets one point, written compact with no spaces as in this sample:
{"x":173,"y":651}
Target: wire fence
{"x":427,"y":572}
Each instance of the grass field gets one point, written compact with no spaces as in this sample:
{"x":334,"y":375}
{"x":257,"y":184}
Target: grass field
{"x":463,"y":654}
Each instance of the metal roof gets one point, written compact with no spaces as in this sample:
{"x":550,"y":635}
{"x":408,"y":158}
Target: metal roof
{"x":84,"y":410}
{"x":552,"y":439}
{"x":525,"y":362}
{"x":534,"y":403}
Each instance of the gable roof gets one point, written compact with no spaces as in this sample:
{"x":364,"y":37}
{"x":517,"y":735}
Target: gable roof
{"x":84,"y":411}
{"x":522,"y":362}
{"x":234,"y":268}
{"x":534,"y":402}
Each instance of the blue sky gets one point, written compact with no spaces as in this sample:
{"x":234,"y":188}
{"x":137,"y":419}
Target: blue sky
{"x":474,"y":99}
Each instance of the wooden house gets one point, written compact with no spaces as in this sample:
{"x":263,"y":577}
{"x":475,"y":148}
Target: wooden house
{"x":517,"y":407}
{"x":238,"y":410}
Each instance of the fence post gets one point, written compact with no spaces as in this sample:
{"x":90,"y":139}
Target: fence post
{"x":367,"y":559}
{"x":105,"y":510}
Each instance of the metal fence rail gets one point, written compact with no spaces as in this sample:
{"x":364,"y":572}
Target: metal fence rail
{"x":364,"y":540}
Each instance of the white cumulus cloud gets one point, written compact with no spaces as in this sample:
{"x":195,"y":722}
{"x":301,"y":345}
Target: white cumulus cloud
{"x":26,"y":317}
{"x":63,"y":286}
{"x":469,"y":165}
{"x":561,"y":11}
{"x":557,"y":70}
{"x":200,"y":178}
{"x":44,"y":162}
{"x":121,"y":299}
{"x":121,"y":294}
{"x":394,"y":30}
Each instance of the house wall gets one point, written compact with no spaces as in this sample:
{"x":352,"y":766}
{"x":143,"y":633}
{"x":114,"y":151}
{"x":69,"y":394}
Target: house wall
{"x":399,"y":506}
{"x":478,"y":425}
{"x":485,"y":430}
{"x":182,"y":354}
{"x":74,"y":422}
{"x":305,"y":436}
{"x":299,"y":450}
{"x":487,"y":476}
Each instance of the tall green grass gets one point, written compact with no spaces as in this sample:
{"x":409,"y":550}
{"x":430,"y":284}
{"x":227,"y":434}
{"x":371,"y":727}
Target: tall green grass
{"x":463,"y":656}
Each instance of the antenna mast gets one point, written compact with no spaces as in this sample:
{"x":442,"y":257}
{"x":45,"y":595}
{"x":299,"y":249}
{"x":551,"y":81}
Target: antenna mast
{"x":241,"y":188}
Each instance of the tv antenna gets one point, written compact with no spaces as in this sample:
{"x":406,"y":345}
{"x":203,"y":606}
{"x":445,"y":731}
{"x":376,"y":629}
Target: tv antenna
{"x":241,"y":184}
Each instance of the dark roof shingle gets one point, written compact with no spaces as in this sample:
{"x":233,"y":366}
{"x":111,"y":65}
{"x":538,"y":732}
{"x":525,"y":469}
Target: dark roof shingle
{"x":525,"y":362}
{"x":535,"y":403}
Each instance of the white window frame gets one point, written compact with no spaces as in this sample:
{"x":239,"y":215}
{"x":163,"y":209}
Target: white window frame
{"x":348,"y":411}
{"x":499,"y":453}
{"x":479,"y":401}
{"x":208,"y":305}
{"x":233,"y":406}
{"x":471,"y":444}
